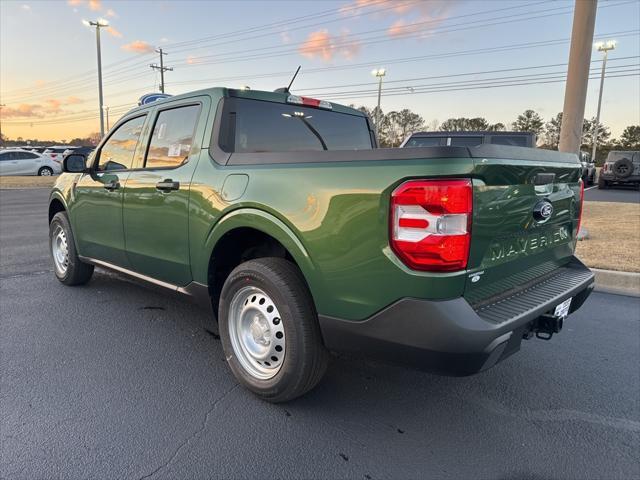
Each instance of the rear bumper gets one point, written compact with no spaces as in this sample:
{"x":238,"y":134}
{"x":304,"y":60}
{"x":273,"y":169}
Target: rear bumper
{"x":451,"y":337}
{"x":609,"y":177}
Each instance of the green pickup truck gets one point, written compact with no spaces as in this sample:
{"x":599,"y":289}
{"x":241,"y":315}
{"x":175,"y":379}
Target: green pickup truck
{"x":281,"y":215}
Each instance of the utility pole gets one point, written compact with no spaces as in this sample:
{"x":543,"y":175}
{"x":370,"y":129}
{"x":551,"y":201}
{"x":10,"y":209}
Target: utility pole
{"x":602,"y":47}
{"x":1,"y":137}
{"x":100,"y":23}
{"x":162,"y":68}
{"x":575,"y":95}
{"x":379,"y":72}
{"x":106,"y":109}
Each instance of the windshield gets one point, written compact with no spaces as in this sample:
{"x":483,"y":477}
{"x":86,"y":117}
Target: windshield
{"x":258,"y":126}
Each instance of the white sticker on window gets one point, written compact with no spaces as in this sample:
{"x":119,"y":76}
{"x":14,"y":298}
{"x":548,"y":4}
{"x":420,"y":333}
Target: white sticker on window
{"x":174,"y":150}
{"x":162,"y":129}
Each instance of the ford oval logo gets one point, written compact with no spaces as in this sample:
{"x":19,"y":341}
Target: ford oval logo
{"x":543,"y":211}
{"x":152,"y":97}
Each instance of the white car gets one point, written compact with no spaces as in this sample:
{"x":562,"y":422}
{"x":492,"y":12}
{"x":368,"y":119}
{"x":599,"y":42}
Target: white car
{"x":23,"y":162}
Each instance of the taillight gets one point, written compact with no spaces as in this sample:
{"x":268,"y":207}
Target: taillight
{"x":431,"y":224}
{"x":581,"y":203}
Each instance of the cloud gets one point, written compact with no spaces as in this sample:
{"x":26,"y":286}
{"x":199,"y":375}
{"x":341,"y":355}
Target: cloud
{"x":138,"y":46}
{"x":52,"y":106}
{"x":95,"y":5}
{"x":74,"y":3}
{"x":284,"y":36}
{"x":427,"y":14}
{"x":25,"y":7}
{"x":111,"y":13}
{"x":23,"y":110}
{"x":192,"y":60}
{"x":112,"y":31}
{"x":322,"y":44}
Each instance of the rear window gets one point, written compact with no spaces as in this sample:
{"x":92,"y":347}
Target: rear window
{"x":513,"y":140}
{"x":253,"y":126}
{"x":426,"y":142}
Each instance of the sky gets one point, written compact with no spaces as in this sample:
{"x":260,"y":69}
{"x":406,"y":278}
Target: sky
{"x":443,"y":58}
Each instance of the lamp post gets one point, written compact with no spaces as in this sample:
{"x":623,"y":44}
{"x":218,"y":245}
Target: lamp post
{"x":602,"y":47}
{"x":106,"y":110}
{"x":379,"y":72}
{"x":100,"y":23}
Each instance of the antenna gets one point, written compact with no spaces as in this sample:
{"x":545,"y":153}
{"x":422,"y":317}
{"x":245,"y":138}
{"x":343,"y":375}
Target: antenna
{"x":286,"y":89}
{"x":294,"y":77}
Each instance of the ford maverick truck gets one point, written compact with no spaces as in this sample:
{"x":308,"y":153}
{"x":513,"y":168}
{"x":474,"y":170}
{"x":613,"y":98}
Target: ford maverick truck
{"x":281,"y":215}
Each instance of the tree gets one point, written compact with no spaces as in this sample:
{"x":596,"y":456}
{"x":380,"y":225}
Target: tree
{"x":529,"y":121}
{"x":398,"y":125}
{"x":469,"y":124}
{"x":630,"y":138}
{"x":552,"y":131}
{"x":588,"y":130}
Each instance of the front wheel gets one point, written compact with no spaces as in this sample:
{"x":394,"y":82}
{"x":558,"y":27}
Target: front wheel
{"x":68,"y":268}
{"x":269,"y":330}
{"x":45,"y":172}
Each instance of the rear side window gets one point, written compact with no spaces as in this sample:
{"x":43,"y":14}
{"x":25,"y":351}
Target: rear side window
{"x":172,"y":137}
{"x":513,"y":140}
{"x":117,"y":152}
{"x":466,"y":141}
{"x":426,"y":142}
{"x":258,"y":126}
{"x":25,"y":155}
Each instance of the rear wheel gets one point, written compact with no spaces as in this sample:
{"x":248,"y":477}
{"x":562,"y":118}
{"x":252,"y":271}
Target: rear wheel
{"x":269,"y":329}
{"x":45,"y":172}
{"x":68,"y":268}
{"x":602,"y":184}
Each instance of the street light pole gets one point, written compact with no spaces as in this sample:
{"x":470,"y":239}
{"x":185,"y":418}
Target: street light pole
{"x":106,"y":109}
{"x":1,"y":138}
{"x":99,"y":24}
{"x":602,"y":47}
{"x":379,"y":72}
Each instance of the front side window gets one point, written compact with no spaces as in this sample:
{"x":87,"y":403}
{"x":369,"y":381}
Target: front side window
{"x":513,"y":140}
{"x":117,"y":152}
{"x":425,"y":142}
{"x":172,"y":137}
{"x":466,"y":141}
{"x":276,"y":127}
{"x":25,"y":156}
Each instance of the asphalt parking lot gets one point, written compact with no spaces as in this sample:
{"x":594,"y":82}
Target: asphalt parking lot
{"x":117,"y":380}
{"x":622,"y":194}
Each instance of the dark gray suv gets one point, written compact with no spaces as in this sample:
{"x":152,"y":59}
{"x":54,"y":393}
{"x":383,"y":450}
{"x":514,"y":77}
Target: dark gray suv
{"x":621,"y":167}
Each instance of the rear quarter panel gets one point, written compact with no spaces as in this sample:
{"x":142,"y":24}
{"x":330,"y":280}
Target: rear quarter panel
{"x":339,"y":214}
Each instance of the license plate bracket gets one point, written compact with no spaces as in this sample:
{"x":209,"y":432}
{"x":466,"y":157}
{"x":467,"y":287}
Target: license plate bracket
{"x":562,"y":310}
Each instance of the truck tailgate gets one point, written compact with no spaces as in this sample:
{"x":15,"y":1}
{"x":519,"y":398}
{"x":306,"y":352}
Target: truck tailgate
{"x":526,"y":207}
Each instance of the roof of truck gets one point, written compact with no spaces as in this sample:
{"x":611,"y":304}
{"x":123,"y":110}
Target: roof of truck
{"x":263,"y":95}
{"x":468,"y":133}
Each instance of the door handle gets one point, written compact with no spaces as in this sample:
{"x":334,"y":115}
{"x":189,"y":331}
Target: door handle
{"x":112,"y":185}
{"x":168,"y":185}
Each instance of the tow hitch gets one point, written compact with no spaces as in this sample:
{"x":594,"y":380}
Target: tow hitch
{"x":544,"y":327}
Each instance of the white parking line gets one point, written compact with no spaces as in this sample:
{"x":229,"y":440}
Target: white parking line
{"x":586,"y":189}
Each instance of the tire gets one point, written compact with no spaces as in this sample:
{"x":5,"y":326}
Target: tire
{"x":45,"y":172}
{"x":75,"y":272}
{"x":623,"y":168}
{"x":602,"y":184}
{"x":293,"y":319}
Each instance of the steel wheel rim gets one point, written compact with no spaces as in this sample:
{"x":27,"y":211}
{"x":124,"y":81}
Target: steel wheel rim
{"x":256,"y":333}
{"x":45,"y":172}
{"x":60,"y":250}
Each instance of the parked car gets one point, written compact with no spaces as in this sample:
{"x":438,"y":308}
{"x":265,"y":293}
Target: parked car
{"x":37,"y":149}
{"x":621,"y":168}
{"x":55,"y":153}
{"x":79,"y":150}
{"x":588,"y":169}
{"x":279,"y":214}
{"x":23,"y":162}
{"x":469,"y":139}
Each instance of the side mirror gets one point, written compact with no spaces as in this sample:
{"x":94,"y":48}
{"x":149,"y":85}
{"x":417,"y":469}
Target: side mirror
{"x":74,"y":163}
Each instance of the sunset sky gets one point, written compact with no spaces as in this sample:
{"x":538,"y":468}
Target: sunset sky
{"x":437,"y":53}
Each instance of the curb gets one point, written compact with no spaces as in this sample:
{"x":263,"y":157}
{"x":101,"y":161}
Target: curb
{"x":619,"y":283}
